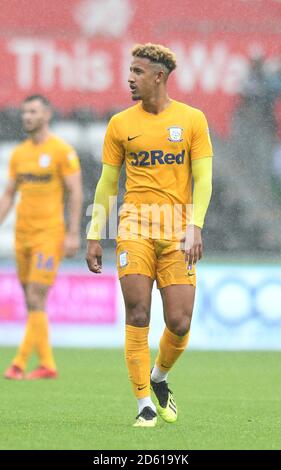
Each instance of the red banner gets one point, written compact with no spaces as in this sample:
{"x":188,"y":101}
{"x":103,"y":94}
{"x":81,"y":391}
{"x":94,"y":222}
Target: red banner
{"x":77,"y":52}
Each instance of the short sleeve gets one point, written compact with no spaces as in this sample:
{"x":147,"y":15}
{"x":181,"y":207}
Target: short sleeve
{"x":69,"y":161}
{"x":201,"y":145}
{"x":113,"y":151}
{"x":12,"y":166}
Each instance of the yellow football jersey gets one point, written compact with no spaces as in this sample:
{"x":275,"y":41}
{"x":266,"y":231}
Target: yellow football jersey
{"x":157,"y":150}
{"x":39,"y":170}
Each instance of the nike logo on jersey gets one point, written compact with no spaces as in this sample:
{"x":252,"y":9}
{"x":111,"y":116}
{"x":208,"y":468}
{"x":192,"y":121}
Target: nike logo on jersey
{"x":141,"y":388}
{"x":190,"y":274}
{"x":135,"y":136}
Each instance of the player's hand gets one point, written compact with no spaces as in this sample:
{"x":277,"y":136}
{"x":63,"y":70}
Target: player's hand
{"x":71,"y":244}
{"x":192,"y":245}
{"x":94,"y":256}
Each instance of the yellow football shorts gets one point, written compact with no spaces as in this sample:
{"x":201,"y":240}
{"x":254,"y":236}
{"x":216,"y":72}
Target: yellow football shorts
{"x":38,"y":258}
{"x":159,"y":259}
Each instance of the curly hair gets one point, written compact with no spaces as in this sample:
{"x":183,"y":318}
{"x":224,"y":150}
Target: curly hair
{"x":157,"y":54}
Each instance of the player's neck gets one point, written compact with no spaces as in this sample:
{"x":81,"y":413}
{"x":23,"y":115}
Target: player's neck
{"x":156,"y":104}
{"x":39,"y":136}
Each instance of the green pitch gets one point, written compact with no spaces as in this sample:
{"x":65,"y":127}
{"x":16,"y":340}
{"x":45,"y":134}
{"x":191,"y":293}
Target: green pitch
{"x":226,"y":400}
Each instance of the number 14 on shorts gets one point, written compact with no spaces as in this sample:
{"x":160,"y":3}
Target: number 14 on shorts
{"x":43,"y":262}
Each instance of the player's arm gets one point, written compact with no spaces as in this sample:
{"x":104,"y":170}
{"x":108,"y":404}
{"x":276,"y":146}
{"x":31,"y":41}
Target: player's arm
{"x":73,"y":185}
{"x":105,"y":196}
{"x":7,"y":199}
{"x":201,"y":153}
{"x":202,"y":191}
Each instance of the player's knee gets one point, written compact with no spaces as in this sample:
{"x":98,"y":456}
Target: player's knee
{"x":179,"y":326}
{"x":137,"y":315}
{"x":34,"y":298}
{"x":33,"y":301}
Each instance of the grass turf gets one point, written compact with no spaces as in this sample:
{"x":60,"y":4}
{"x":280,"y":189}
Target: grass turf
{"x":226,"y":400}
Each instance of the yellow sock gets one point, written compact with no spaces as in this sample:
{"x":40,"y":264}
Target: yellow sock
{"x":36,"y":337}
{"x":138,"y":359}
{"x":171,"y":347}
{"x":42,"y":344}
{"x":28,"y":344}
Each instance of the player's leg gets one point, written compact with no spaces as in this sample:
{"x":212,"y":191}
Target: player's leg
{"x":178,"y":303}
{"x":177,"y":287}
{"x":137,"y":297}
{"x":132,"y":258}
{"x":36,"y":297}
{"x":17,"y":368}
{"x":44,"y":266}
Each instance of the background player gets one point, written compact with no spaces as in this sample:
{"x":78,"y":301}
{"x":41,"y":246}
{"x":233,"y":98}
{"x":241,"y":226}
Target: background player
{"x":164,"y":144}
{"x":41,"y":169}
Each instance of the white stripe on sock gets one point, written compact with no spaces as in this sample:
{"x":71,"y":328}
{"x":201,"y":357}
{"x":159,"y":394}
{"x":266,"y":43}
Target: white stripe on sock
{"x":146,"y":401}
{"x":157,"y":375}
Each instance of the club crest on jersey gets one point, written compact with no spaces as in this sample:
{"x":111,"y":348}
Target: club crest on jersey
{"x":175,"y":134}
{"x":44,"y":160}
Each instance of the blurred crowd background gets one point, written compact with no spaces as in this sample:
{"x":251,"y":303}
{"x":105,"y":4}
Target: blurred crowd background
{"x":244,"y":218}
